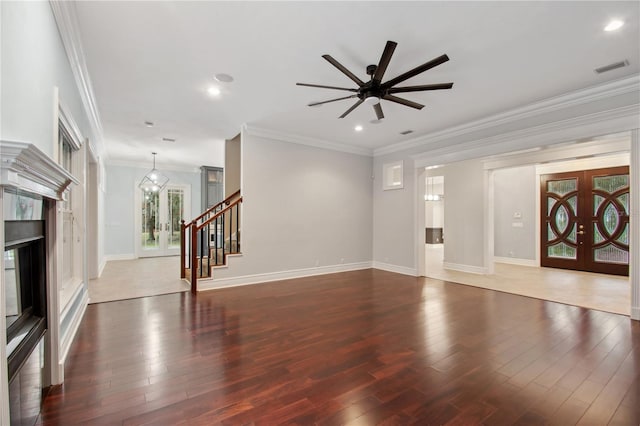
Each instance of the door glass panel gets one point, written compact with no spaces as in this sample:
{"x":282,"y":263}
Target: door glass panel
{"x":624,"y":200}
{"x":175,"y":215}
{"x":561,"y":219}
{"x":150,"y":220}
{"x":624,"y":236}
{"x":597,"y":236}
{"x":562,"y":251}
{"x":610,"y":219}
{"x":610,"y":184}
{"x":550,"y":203}
{"x":611,"y":254}
{"x":550,"y":234}
{"x":562,"y":187}
{"x":597,"y":202}
{"x":572,"y":235}
{"x":573,"y":203}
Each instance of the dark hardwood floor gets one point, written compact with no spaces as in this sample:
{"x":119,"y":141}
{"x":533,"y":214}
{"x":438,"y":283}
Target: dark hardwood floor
{"x":359,"y":348}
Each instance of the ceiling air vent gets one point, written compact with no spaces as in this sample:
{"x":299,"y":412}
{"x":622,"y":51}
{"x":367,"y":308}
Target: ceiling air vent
{"x":168,"y":139}
{"x":406,"y":132}
{"x":610,"y":67}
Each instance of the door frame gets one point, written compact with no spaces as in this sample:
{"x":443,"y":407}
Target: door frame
{"x":138,"y":222}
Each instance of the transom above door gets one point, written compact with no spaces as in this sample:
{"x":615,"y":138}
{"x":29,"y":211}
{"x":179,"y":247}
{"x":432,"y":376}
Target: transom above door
{"x":585,"y":220}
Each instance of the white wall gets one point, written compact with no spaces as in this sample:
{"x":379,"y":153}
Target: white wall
{"x":304,"y":208}
{"x":515,"y":192}
{"x":33,"y":62}
{"x":393,"y":214}
{"x":119,"y":199}
{"x":464,"y":213}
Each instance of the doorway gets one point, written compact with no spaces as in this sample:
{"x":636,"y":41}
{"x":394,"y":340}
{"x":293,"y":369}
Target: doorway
{"x":159,"y":215}
{"x":585,"y":220}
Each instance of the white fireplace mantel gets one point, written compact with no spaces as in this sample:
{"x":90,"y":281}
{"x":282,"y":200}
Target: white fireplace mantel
{"x":24,"y":166}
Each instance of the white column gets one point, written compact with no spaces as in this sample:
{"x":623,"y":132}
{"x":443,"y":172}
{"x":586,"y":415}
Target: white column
{"x":634,"y":255}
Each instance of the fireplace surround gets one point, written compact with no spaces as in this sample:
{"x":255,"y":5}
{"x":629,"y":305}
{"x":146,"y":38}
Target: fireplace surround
{"x":32,"y":189}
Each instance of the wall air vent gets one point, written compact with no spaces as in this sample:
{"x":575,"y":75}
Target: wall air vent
{"x":406,"y":132}
{"x":168,"y":139}
{"x":611,"y":67}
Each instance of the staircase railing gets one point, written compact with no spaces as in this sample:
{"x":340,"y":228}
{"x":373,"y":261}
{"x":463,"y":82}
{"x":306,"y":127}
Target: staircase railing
{"x":209,"y":238}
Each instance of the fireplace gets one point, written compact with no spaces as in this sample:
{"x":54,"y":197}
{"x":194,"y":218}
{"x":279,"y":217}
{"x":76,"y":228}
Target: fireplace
{"x":37,"y":330}
{"x":25,"y":299}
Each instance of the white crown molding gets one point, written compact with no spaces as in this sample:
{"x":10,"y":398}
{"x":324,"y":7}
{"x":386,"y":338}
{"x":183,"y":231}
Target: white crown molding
{"x":305,"y":140}
{"x":567,"y":100}
{"x":599,"y":123}
{"x":24,"y":166}
{"x":147,"y":166}
{"x":64,"y":13}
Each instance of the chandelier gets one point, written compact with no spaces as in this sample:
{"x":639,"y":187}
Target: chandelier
{"x":154,"y":181}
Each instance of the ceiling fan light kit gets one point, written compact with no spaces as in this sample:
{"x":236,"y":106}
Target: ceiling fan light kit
{"x":374,"y":90}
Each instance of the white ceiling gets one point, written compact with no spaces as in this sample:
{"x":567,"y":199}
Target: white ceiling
{"x":155,"y":60}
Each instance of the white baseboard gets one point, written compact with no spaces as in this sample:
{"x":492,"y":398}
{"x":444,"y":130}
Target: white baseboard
{"x":465,"y":268}
{"x":65,"y":344}
{"x":277,"y":276}
{"x":110,"y":257}
{"x":635,"y":313}
{"x":395,"y":268}
{"x":515,"y":261}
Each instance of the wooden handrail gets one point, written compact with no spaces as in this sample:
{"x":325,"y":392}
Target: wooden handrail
{"x":210,"y":209}
{"x":217,"y":215}
{"x":194,"y":230}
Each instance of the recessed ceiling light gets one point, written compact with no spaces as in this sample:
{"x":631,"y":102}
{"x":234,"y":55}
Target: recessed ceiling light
{"x":223,"y":78}
{"x":213,"y":91}
{"x":358,"y":128}
{"x":148,"y":123}
{"x":614,"y":25}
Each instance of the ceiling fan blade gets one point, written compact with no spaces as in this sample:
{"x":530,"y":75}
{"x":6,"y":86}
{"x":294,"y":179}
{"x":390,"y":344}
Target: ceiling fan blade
{"x":417,"y":70}
{"x":378,"y":109}
{"x":356,"y":105}
{"x":332,"y":100}
{"x":403,"y":101}
{"x":345,"y":71}
{"x":438,"y":86}
{"x":384,"y":60}
{"x":326,"y":87}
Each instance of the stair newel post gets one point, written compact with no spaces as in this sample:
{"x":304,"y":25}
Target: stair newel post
{"x":193,"y":256}
{"x":182,"y":248}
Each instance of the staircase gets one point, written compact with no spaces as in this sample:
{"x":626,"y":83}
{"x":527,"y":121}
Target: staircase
{"x":209,"y":239}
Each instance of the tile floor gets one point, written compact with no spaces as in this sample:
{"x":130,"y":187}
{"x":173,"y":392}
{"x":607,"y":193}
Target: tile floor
{"x":128,"y":279}
{"x":608,"y":293}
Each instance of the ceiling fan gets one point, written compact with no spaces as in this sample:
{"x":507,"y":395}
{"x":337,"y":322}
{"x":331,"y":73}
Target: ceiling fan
{"x":372,"y":91}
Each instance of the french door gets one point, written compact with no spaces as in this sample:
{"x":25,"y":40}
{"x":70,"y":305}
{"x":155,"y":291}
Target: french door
{"x":585,"y":220}
{"x":159,"y":216}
